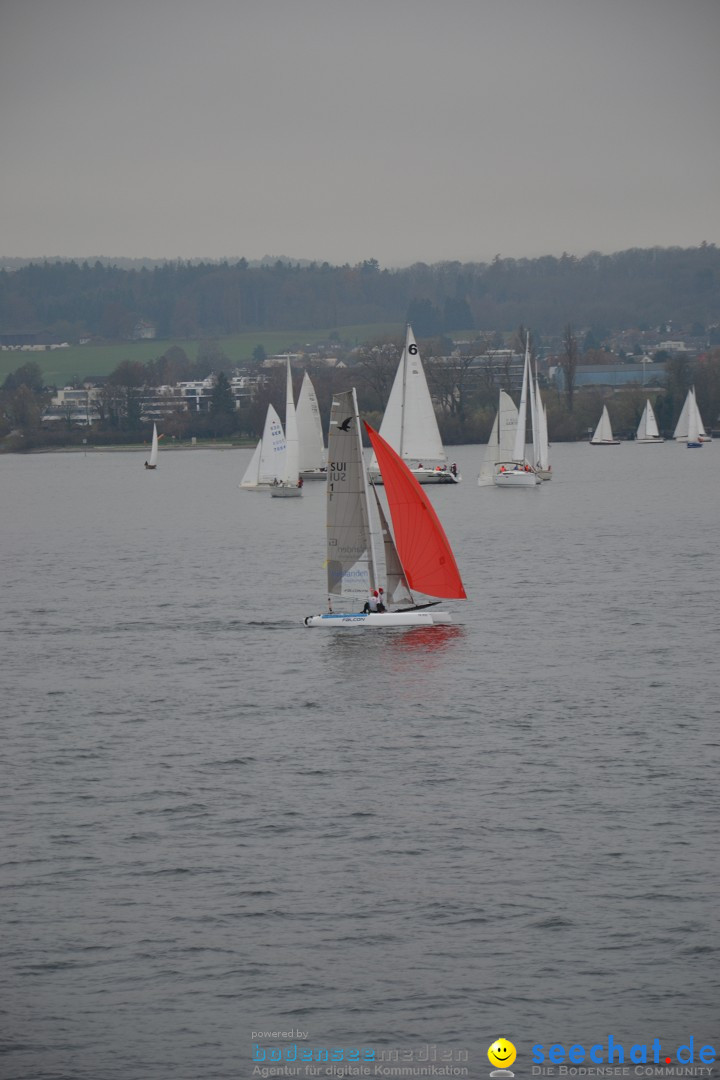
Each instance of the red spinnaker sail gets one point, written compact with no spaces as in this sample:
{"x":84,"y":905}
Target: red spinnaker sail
{"x":422,"y":545}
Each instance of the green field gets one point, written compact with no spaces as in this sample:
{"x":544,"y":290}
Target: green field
{"x":63,"y":366}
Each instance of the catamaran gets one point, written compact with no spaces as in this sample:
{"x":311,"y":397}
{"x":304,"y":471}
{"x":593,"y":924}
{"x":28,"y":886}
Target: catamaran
{"x":268,"y":461}
{"x":647,"y":431}
{"x":312,"y":458}
{"x":410,"y":425}
{"x":152,"y":461}
{"x":418,"y":557}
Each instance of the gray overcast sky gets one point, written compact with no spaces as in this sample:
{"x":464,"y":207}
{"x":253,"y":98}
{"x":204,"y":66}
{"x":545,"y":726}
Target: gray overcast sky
{"x":342,"y":130}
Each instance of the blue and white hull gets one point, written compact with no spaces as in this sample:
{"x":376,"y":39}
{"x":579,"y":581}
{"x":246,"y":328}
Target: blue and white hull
{"x":358,"y":619}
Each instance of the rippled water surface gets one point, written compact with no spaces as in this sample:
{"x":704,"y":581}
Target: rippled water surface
{"x":217,"y":821}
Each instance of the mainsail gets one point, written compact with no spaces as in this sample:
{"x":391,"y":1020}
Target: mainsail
{"x":268,"y":460}
{"x":292,"y":470}
{"x":154,"y":448}
{"x":351,"y":559}
{"x":309,"y":424}
{"x":422,"y":545}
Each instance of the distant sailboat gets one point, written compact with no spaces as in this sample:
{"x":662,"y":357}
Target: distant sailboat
{"x":543,"y":468}
{"x":417,"y":553}
{"x":680,"y":433}
{"x":694,"y":424}
{"x":647,"y":431}
{"x":410,"y":425}
{"x":152,"y":461}
{"x":312,"y":458}
{"x":603,"y":432}
{"x":502,"y":439}
{"x":517,"y":472}
{"x":289,"y":485}
{"x":268,"y":461}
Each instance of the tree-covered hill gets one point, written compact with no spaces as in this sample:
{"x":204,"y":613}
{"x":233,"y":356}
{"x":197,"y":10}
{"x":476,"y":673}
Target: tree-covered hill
{"x":636,"y":288}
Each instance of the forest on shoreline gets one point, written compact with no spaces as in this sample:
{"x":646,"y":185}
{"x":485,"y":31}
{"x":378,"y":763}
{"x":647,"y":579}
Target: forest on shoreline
{"x":72,"y":301}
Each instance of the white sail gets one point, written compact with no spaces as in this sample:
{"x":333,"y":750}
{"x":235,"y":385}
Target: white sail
{"x":272,"y":454}
{"x":153,"y":459}
{"x":487,"y":466}
{"x":398,"y":589}
{"x":702,"y":434}
{"x":693,"y":431}
{"x":543,"y":444}
{"x":507,"y":426}
{"x":603,"y":432}
{"x":310,"y":433}
{"x":409,"y":423}
{"x":251,"y":477}
{"x":292,"y":470}
{"x":681,"y":428}
{"x":534,"y":418}
{"x":519,"y":448}
{"x":351,"y":562}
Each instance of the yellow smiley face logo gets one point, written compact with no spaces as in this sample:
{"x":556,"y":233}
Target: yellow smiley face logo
{"x":502,"y":1053}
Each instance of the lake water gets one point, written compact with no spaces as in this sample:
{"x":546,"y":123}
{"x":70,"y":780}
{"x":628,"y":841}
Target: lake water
{"x":218,"y":822}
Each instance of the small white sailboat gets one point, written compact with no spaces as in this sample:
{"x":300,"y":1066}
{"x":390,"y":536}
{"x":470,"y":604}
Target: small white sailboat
{"x":418,"y":556}
{"x":517,"y":472}
{"x":680,"y":434}
{"x":289,"y":485}
{"x":501,"y":443}
{"x":693,"y":425}
{"x":603,"y":432}
{"x":647,"y":431}
{"x":268,"y":461}
{"x":312,"y":457}
{"x":543,"y":468}
{"x":152,"y":461}
{"x":410,"y":425}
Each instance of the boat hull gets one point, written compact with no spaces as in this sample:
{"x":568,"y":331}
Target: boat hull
{"x":374,"y":620}
{"x":544,"y":474}
{"x":285,"y":491}
{"x":512,"y":479}
{"x":650,"y":442}
{"x":604,"y":442}
{"x":425,"y":476}
{"x":314,"y":474}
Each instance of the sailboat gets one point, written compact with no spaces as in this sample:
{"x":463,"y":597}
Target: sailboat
{"x":543,"y":468}
{"x":680,"y":433}
{"x":603,"y":432}
{"x":152,"y":461}
{"x":517,"y":472}
{"x":289,"y":486}
{"x":501,"y":443}
{"x":312,"y":461}
{"x":693,"y":425}
{"x":418,"y":556}
{"x":410,"y":424}
{"x":268,"y":461}
{"x":647,"y":431}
